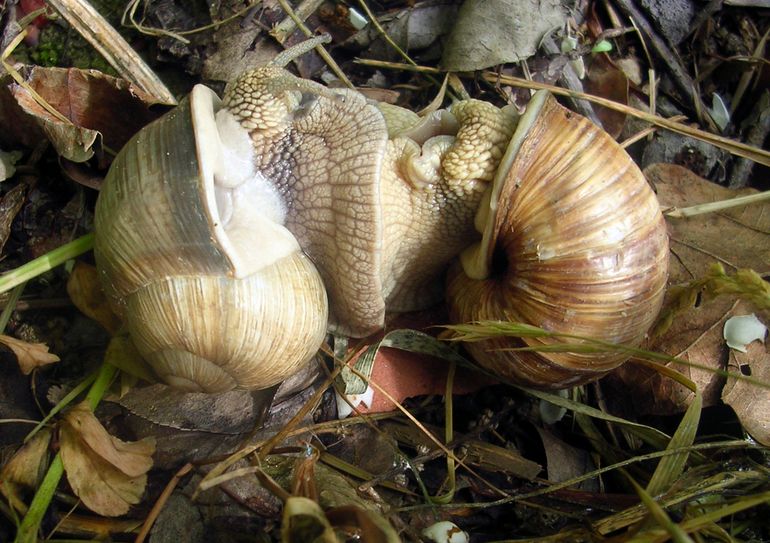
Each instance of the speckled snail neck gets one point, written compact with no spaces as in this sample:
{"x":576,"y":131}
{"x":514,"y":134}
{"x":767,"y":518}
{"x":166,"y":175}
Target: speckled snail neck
{"x":314,"y":191}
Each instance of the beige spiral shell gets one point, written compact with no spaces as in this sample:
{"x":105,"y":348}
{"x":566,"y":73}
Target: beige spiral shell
{"x":573,"y":242}
{"x":212,"y":300}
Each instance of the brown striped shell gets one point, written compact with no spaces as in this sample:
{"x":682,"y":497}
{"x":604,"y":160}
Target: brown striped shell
{"x":573,"y":242}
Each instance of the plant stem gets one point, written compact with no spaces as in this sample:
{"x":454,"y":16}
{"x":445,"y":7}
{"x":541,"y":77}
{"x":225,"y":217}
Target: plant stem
{"x":10,"y":306}
{"x":30,"y":525}
{"x":46,"y":262}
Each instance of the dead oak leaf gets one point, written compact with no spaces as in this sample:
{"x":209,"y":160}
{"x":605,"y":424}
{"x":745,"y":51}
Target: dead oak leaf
{"x":29,"y":355}
{"x":750,"y":402}
{"x":107,"y":474}
{"x":737,"y":238}
{"x":133,"y":458}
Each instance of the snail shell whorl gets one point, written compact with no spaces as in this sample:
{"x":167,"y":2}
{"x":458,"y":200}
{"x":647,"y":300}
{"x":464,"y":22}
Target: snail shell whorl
{"x":574,"y":243}
{"x":214,"y":297}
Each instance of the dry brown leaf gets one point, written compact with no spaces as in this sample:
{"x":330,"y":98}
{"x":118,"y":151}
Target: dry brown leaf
{"x":695,"y":337}
{"x":751,"y":403}
{"x":131,"y":457}
{"x":10,"y":205}
{"x":606,"y":80}
{"x":371,"y":525}
{"x":565,"y":462}
{"x":86,"y":293}
{"x":106,"y":473}
{"x":26,"y":468}
{"x":94,"y":107}
{"x":495,"y":32}
{"x":738,"y":238}
{"x":29,"y":355}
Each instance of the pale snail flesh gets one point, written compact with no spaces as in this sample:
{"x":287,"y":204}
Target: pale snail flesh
{"x":379,"y":201}
{"x":380,"y":224}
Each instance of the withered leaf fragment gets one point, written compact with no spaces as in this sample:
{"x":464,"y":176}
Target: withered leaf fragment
{"x":26,"y":468}
{"x":29,"y":355}
{"x":107,"y":474}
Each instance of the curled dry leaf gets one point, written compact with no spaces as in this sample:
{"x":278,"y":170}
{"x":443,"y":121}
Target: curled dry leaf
{"x":26,"y":468}
{"x":404,"y":374}
{"x":371,"y":526}
{"x":409,"y":363}
{"x":29,"y":355}
{"x":106,"y":473}
{"x":608,"y":81}
{"x":10,"y":206}
{"x":304,"y":520}
{"x":92,"y":107}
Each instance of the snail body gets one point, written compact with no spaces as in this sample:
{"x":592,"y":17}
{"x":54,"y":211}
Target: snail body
{"x":313,"y":192}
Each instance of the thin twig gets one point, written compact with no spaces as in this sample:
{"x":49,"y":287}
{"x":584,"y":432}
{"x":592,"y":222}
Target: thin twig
{"x":320,"y":49}
{"x":712,"y":207}
{"x":161,"y":502}
{"x":749,"y":74}
{"x":649,"y":130}
{"x":669,"y":57}
{"x":286,"y":27}
{"x":111,"y":45}
{"x":129,"y":19}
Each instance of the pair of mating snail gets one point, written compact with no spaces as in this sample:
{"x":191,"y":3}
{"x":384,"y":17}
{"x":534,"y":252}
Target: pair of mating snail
{"x":223,"y":228}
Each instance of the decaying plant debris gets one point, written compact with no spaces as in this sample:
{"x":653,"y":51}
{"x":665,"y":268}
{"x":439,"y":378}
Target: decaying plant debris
{"x":673,"y":445}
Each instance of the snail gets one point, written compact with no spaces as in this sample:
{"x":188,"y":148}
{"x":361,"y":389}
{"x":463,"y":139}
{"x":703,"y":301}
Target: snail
{"x":230,"y":235}
{"x":573,"y":241}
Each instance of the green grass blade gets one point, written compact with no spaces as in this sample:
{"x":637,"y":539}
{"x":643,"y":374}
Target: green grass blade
{"x":670,"y":468}
{"x":47,"y":262}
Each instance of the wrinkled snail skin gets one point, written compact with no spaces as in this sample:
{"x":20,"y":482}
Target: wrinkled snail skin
{"x":322,"y":149}
{"x":211,"y":299}
{"x":574,"y":243}
{"x":433,"y":181}
{"x":222,"y":228}
{"x":381,"y":200}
